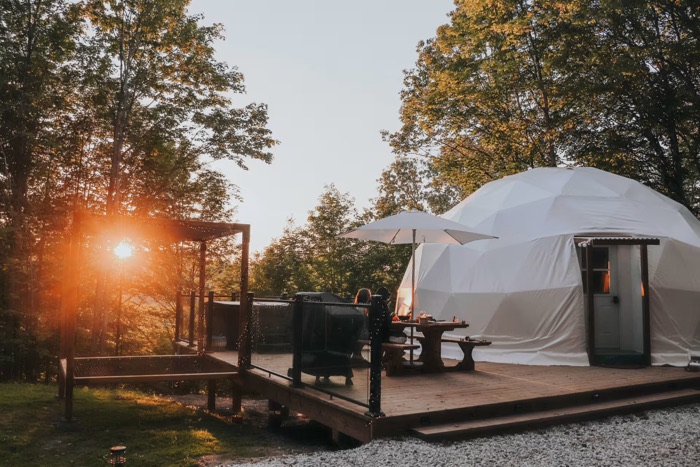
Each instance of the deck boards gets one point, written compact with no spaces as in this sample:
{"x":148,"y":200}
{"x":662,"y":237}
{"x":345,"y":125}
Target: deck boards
{"x":411,"y":400}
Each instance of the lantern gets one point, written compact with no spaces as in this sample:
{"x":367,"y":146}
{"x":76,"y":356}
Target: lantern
{"x":117,"y":456}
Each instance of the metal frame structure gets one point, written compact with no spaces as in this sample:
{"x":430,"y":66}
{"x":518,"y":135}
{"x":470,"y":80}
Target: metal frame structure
{"x":168,"y":230}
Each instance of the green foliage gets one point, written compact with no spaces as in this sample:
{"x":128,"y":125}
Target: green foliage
{"x":284,"y":266}
{"x":37,"y":45}
{"x":642,"y":108}
{"x":113,"y":106}
{"x":331,"y":256}
{"x":411,"y":183}
{"x":313,"y":258}
{"x":165,"y":103}
{"x":481,"y":102}
{"x":509,"y":85}
{"x":156,"y":432}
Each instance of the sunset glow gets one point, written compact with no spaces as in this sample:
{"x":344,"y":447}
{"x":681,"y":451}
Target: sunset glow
{"x":124,"y":250}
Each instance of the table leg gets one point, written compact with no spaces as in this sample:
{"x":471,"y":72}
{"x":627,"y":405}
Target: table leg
{"x":467,"y":363}
{"x":431,"y":353}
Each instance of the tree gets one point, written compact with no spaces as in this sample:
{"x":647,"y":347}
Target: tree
{"x":481,"y":102}
{"x":36,"y":46}
{"x":163,"y":107}
{"x":159,"y":84}
{"x":412,"y":183}
{"x":514,"y":84}
{"x":113,"y":106}
{"x":332,"y":256}
{"x":642,"y":109}
{"x":284,"y":265}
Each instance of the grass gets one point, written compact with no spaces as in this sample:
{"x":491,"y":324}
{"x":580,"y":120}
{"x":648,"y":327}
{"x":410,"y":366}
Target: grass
{"x":156,"y":432}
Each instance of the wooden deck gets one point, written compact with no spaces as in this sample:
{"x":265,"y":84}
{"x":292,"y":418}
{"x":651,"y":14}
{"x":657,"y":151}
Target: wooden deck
{"x":491,"y":393}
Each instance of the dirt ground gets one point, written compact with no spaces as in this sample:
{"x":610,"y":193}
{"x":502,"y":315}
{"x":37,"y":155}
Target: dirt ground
{"x":295,"y":434}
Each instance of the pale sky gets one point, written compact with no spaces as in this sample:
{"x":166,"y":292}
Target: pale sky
{"x":330,"y":72}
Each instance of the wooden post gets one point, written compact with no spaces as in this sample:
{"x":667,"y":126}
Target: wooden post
{"x":244,"y":317}
{"x":64,"y":314}
{"x":210,"y":321}
{"x":646,"y":312}
{"x":375,"y":368}
{"x":590,"y":305}
{"x":211,"y":395}
{"x":70,"y":309}
{"x":192,"y":313}
{"x":236,"y":398}
{"x":178,"y":315}
{"x":245,"y":253}
{"x":246,"y":337}
{"x":297,"y":329}
{"x":202,"y":279}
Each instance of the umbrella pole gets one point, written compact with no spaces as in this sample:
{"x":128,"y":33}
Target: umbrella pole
{"x":413,"y":272}
{"x":413,"y":285}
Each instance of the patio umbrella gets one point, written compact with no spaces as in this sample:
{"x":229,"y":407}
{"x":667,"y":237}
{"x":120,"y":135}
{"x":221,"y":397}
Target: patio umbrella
{"x":415,"y":227}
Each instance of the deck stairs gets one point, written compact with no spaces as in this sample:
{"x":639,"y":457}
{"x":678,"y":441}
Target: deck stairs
{"x":528,"y":416}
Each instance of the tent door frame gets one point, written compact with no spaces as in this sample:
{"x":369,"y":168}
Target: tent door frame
{"x":643,"y":242}
{"x":607,"y":313}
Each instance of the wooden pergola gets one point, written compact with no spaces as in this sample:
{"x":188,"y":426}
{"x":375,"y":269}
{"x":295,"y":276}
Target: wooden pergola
{"x":117,"y":228}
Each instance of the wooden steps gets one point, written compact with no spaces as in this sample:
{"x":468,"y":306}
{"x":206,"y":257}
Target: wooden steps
{"x":471,"y":428}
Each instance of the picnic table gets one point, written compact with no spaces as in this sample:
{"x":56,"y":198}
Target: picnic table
{"x":430,"y":340}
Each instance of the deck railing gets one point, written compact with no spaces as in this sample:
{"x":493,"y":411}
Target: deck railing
{"x":326,"y":350}
{"x":307,"y":341}
{"x":186,"y":317}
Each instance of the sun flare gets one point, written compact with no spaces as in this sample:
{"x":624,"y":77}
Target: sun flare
{"x":124,"y":250}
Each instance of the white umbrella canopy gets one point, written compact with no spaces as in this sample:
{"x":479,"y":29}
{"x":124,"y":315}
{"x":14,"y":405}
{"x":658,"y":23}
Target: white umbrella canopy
{"x":416,"y":227}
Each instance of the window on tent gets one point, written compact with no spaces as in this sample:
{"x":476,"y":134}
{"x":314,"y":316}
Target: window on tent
{"x":600,"y":264}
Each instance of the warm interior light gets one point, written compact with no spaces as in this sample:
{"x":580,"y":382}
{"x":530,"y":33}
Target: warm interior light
{"x":405,"y":308}
{"x":124,"y":250}
{"x":606,"y":282}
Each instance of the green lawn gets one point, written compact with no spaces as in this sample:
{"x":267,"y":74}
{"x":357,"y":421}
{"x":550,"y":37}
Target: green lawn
{"x":155,"y":431}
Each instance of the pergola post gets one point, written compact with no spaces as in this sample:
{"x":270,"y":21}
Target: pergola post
{"x":62,"y":342}
{"x":178,"y":314}
{"x":69,"y":308}
{"x":202,"y":279}
{"x":190,"y":332}
{"x":210,"y":321}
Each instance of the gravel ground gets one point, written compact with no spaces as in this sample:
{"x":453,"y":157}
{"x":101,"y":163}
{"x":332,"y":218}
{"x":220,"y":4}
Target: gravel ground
{"x":669,"y":437}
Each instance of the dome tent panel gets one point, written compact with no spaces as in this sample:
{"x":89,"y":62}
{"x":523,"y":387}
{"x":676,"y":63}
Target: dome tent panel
{"x":533,"y":270}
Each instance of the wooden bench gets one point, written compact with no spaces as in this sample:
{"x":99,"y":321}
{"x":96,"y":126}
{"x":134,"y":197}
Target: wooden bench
{"x":393,"y":356}
{"x":467,"y":345}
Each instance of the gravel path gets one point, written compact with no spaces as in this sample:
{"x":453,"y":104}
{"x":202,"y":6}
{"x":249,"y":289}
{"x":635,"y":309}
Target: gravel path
{"x":669,"y":437}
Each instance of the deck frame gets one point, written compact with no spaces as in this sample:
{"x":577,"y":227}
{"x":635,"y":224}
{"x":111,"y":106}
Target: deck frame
{"x":492,"y":390}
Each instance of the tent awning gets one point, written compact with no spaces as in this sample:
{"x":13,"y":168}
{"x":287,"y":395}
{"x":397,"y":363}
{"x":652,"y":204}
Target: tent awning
{"x":596,"y":241}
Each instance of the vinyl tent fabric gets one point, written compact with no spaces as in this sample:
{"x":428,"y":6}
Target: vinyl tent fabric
{"x":523,"y":291}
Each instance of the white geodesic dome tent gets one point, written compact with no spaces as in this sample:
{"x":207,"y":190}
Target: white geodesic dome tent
{"x":525,"y":290}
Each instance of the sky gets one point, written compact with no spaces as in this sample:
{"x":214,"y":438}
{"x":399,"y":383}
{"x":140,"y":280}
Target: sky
{"x":330,"y":72}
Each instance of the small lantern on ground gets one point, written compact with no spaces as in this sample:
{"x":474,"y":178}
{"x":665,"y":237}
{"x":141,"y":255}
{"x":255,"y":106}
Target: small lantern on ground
{"x":117,"y":456}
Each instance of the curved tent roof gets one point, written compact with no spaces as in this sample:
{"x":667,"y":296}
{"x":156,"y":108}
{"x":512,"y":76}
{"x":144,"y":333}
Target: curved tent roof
{"x":552,"y":201}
